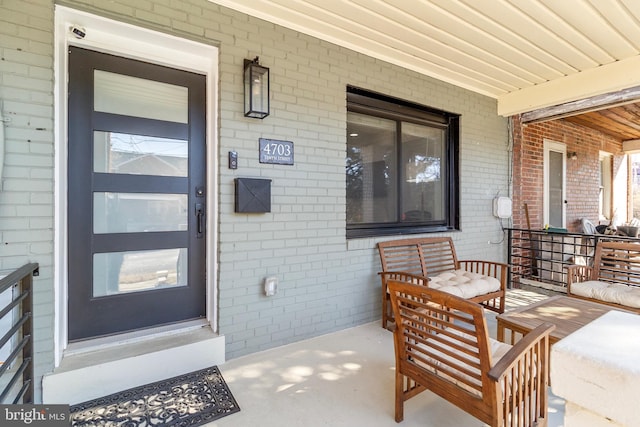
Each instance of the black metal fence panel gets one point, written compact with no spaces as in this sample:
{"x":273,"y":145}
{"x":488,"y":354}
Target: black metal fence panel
{"x":540,"y":257}
{"x":16,"y":335}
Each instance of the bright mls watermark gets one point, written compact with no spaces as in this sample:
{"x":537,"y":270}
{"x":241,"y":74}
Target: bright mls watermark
{"x":35,"y":415}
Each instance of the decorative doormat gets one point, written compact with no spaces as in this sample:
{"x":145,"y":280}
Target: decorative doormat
{"x":189,"y":400}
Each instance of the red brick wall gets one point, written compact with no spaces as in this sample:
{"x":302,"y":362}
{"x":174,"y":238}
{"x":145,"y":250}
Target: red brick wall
{"x":583,"y":179}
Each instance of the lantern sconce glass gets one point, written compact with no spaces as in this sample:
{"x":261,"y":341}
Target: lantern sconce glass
{"x":572,"y":155}
{"x":256,"y":89}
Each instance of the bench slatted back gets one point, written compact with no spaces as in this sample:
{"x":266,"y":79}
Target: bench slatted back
{"x":424,"y":256}
{"x":619,"y":262}
{"x":402,"y":255}
{"x":439,"y":255}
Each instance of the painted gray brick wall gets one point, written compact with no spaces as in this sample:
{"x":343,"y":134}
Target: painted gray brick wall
{"x":326,"y":281}
{"x":26,"y":196}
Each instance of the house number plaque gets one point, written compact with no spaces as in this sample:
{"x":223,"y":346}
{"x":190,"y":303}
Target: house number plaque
{"x":275,"y":151}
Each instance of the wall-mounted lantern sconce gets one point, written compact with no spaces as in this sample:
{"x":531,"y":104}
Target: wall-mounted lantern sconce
{"x":256,"y":89}
{"x":572,"y":155}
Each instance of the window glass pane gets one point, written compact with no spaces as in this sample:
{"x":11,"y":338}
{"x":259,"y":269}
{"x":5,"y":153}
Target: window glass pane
{"x":132,"y":96}
{"x":371,"y":169}
{"x":556,"y":190}
{"x":138,"y":212}
{"x":605,"y":187}
{"x":139,"y":154}
{"x":135,"y":271}
{"x":423,"y":186}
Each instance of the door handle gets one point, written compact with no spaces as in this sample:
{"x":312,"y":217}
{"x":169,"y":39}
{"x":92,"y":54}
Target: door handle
{"x":199,"y":219}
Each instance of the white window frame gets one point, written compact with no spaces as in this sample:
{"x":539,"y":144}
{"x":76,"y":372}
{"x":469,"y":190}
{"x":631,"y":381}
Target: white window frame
{"x":109,"y":36}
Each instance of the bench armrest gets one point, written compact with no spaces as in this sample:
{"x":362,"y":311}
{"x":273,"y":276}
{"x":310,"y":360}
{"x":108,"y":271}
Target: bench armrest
{"x":522,"y":374}
{"x":403,"y":276}
{"x":537,"y":337}
{"x":578,"y":273}
{"x":487,"y":268}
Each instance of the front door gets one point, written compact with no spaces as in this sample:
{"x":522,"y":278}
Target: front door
{"x":555,"y":199}
{"x":136,"y":195}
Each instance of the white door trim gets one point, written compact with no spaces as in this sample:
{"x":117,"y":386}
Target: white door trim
{"x":122,"y":39}
{"x":557,"y":147}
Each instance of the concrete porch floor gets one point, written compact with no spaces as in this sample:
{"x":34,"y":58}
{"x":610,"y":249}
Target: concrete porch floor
{"x":343,"y":379}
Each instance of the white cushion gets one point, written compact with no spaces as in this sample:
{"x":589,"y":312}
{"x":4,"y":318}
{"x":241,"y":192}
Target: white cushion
{"x":617,"y":293}
{"x":577,"y":416}
{"x":596,"y":367}
{"x":464,"y":284}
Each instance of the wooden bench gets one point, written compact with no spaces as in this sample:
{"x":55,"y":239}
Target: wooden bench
{"x":614,"y":278}
{"x":442,"y":344}
{"x":432,"y":261}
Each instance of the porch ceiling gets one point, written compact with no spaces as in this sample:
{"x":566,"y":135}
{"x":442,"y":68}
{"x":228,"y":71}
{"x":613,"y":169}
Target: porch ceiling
{"x":622,"y":122}
{"x":528,"y":54}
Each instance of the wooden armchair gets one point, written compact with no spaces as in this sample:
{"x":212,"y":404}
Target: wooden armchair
{"x":442,"y":344}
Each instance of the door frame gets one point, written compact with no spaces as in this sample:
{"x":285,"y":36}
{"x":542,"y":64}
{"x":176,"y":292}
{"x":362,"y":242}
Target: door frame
{"x":109,"y":36}
{"x":557,"y":147}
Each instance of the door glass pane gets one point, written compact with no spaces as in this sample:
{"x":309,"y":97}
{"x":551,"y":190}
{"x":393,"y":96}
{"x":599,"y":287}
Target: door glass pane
{"x":132,"y":96}
{"x":139,"y":154}
{"x":138,"y":212}
{"x":371,"y":169}
{"x":423,"y":188}
{"x":556,"y":190}
{"x":135,"y":271}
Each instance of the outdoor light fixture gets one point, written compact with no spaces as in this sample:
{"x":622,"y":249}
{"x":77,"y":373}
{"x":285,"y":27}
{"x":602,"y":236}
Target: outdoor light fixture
{"x":256,"y":89}
{"x":572,"y":155}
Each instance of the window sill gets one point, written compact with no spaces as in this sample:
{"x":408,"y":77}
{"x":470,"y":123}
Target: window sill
{"x":356,"y":233}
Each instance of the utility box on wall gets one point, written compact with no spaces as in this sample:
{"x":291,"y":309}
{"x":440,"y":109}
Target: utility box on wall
{"x":502,"y":207}
{"x":253,"y":195}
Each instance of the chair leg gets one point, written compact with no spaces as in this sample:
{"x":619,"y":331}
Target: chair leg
{"x":400,"y":379}
{"x":385,"y":305}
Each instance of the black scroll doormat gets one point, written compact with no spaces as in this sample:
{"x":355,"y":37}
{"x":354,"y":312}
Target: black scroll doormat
{"x":189,"y":400}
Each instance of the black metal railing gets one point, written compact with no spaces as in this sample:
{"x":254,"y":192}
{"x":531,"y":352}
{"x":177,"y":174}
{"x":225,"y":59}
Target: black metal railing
{"x":16,"y":342}
{"x":540,"y":256}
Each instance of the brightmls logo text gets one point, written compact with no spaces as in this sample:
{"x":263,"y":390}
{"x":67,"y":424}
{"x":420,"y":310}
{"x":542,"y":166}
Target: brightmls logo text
{"x":34,"y":415}
{"x":27,"y":417}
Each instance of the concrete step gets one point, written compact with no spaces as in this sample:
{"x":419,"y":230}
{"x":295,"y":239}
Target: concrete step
{"x":91,"y":373}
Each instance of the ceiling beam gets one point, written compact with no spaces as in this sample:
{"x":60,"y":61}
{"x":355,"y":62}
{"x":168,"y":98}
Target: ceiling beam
{"x":631,"y":146}
{"x":606,"y":79}
{"x":581,"y":106}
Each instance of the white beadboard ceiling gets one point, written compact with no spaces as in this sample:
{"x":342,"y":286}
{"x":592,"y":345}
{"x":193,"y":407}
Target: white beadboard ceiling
{"x":528,"y":54}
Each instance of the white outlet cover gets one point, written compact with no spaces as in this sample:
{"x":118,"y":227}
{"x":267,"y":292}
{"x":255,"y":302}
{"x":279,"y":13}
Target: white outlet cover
{"x":270,"y":286}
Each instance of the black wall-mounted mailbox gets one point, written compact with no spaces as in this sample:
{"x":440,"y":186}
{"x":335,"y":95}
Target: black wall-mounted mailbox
{"x":253,"y":195}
